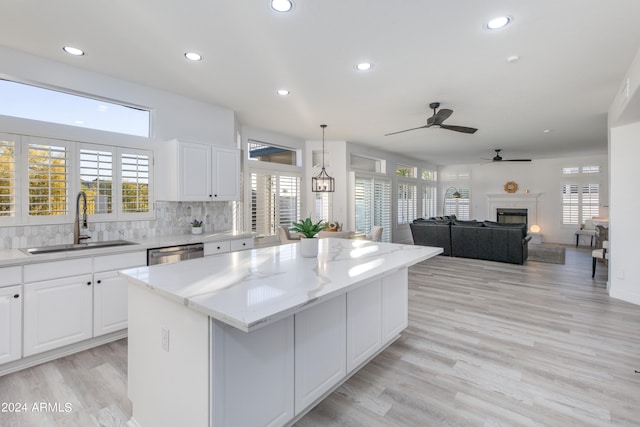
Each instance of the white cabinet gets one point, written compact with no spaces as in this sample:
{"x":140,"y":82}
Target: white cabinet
{"x":204,"y":172}
{"x":109,"y":303}
{"x":57,"y":312}
{"x":395,"y":304}
{"x":320,"y":350}
{"x":253,"y":375}
{"x":242,"y":244}
{"x":215,"y":248}
{"x":10,"y":322}
{"x":364,"y":328}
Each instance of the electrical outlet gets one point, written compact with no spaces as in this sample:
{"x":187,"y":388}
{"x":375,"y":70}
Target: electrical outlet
{"x":165,"y":339}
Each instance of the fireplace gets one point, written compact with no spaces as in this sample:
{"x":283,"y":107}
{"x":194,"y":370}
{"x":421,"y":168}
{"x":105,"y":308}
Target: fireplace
{"x":512,"y":215}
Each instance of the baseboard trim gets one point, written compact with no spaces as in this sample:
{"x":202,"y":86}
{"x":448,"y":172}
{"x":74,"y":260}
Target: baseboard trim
{"x":37,"y":359}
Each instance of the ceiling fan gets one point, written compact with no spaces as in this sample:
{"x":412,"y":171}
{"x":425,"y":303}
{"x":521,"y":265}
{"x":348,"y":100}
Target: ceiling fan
{"x":437,"y":119}
{"x":498,"y":158}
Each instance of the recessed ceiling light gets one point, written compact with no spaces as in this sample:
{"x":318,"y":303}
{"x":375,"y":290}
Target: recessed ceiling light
{"x":73,"y":50}
{"x":547,"y":130}
{"x":281,"y":5}
{"x":513,"y":58}
{"x":192,"y":56}
{"x":499,"y":22}
{"x":283,"y":92}
{"x":364,"y":66}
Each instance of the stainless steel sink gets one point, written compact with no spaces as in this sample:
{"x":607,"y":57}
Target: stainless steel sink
{"x":79,"y":246}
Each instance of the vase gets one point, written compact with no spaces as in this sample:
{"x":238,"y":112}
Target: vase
{"x":309,"y":247}
{"x":196,"y":230}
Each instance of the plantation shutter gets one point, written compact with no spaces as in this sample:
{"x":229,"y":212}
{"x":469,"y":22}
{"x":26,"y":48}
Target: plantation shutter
{"x":96,"y":180}
{"x":570,"y":201}
{"x":407,"y":203}
{"x":7,"y":178}
{"x":428,"y":201}
{"x":275,"y":201}
{"x":135,"y":174}
{"x":48,"y":191}
{"x":373,"y":205}
{"x":590,"y":201}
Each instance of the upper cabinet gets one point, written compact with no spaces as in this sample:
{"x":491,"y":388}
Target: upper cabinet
{"x":190,"y":171}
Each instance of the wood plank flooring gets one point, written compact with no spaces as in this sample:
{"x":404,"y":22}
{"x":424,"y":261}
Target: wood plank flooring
{"x":488,"y":344}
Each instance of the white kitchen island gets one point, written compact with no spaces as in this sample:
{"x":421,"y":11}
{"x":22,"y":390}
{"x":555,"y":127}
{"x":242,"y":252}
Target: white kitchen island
{"x":258,"y":338}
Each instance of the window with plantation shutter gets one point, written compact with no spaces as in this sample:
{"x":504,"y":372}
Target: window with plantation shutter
{"x":7,"y":177}
{"x":459,"y":207}
{"x":373,"y":205}
{"x":275,"y":201}
{"x":429,"y":203}
{"x":407,"y":203}
{"x":48,"y":192}
{"x":580,"y":196}
{"x":135,"y":174}
{"x":324,"y":206}
{"x":96,"y":180}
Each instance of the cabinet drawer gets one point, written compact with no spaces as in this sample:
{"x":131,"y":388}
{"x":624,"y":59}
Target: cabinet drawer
{"x":242,"y":244}
{"x":10,"y":275}
{"x":215,"y":248}
{"x":119,"y":261}
{"x":57,"y":269}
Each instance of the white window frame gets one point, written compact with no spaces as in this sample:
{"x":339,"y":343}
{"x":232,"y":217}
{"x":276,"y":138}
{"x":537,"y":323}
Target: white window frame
{"x":386,"y":227}
{"x":584,"y":177}
{"x":120,"y":215}
{"x":17,"y":199}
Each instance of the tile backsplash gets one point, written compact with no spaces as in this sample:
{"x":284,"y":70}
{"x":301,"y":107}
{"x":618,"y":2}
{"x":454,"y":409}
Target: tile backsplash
{"x":171,"y":218}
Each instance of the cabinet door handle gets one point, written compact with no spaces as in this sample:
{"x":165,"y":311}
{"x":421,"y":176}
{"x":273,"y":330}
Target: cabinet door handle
{"x":210,"y":195}
{"x":99,"y":281}
{"x":218,"y":247}
{"x":88,"y":283}
{"x":244,"y":244}
{"x":215,"y":195}
{"x":16,"y":296}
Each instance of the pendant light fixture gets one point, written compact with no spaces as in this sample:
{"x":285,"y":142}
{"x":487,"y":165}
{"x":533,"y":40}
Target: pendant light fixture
{"x":323,"y":183}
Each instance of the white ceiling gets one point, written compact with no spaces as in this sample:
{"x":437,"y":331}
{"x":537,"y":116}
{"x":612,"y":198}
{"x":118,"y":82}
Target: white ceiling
{"x":573,"y":56}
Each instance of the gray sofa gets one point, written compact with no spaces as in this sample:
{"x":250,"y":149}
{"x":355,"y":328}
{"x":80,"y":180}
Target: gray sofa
{"x":486,"y":240}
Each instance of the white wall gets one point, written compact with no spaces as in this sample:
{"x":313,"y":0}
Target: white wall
{"x":624,"y":152}
{"x":538,"y":176}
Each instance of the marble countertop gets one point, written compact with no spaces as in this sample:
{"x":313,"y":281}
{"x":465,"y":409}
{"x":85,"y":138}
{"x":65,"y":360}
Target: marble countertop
{"x":10,"y":257}
{"x":249,"y":289}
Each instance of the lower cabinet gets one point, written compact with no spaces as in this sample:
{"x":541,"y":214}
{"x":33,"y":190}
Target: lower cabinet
{"x":253,"y":375}
{"x":10,"y":323}
{"x":320,"y":350}
{"x":364,"y":326}
{"x":395,"y":304}
{"x":109,"y":303}
{"x":57,"y":312}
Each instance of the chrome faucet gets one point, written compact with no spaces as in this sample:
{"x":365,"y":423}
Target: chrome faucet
{"x":76,"y":226}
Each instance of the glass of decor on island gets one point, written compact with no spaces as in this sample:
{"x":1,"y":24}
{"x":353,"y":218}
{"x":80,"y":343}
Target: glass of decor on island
{"x":308,"y":231}
{"x":196,"y":227}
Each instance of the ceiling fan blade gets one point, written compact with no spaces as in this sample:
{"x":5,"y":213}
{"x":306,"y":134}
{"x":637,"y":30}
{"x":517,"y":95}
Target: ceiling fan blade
{"x":516,"y":160}
{"x":439,"y":117}
{"x":462,"y":129}
{"x":406,"y":130}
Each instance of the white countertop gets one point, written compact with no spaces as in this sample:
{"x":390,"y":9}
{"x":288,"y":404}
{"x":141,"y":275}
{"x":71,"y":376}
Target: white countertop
{"x":249,"y":289}
{"x":10,"y":257}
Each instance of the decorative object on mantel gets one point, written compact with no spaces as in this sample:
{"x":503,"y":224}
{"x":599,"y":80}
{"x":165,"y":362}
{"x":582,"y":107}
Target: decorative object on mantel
{"x":456,"y":195}
{"x":308,"y":241}
{"x":323,"y":183}
{"x":510,"y":187}
{"x":196,"y":227}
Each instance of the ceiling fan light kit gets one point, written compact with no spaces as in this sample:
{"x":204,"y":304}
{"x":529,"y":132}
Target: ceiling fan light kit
{"x":437,"y":119}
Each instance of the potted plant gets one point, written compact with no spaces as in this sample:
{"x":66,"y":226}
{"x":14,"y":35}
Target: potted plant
{"x":308,"y":230}
{"x":196,"y":227}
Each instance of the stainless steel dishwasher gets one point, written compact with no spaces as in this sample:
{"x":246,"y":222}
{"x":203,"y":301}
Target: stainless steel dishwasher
{"x":174,"y":253}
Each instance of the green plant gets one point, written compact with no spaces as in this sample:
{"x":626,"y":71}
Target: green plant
{"x":196,"y":223}
{"x":307,"y":228}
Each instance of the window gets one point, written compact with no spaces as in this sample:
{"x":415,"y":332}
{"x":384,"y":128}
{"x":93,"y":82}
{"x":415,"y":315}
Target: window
{"x":429,"y":204}
{"x":429,"y":175}
{"x":46,"y":105}
{"x":275,"y":201}
{"x":48,"y":191}
{"x":96,"y":180}
{"x":263,"y":152}
{"x":135,"y":183}
{"x":458,"y":207}
{"x":407,"y":203}
{"x":373,"y":205}
{"x":117,"y":181}
{"x":367,"y":164}
{"x":581,"y":195}
{"x":406,"y":171}
{"x":324,"y":206}
{"x":7,"y":177}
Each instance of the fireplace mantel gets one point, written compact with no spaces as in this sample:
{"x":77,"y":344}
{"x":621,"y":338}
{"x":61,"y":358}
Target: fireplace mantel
{"x":528,"y":201}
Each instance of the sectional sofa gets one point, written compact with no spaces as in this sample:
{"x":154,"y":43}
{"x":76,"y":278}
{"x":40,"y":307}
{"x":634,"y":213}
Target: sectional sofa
{"x":486,"y":240}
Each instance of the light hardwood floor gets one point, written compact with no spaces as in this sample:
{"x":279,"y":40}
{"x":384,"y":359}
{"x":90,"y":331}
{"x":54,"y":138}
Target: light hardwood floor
{"x":488,"y":344}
